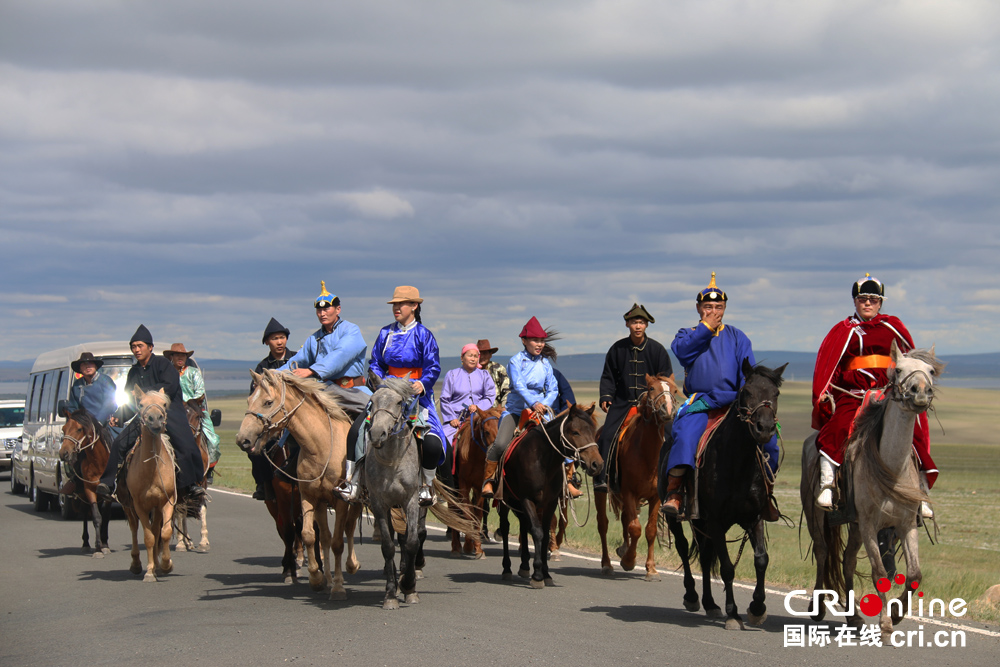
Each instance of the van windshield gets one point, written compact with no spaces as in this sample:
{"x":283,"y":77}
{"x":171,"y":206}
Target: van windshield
{"x":11,"y":417}
{"x":117,"y":368}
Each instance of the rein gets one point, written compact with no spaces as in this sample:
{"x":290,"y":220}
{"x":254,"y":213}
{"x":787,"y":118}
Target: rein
{"x":93,"y":438}
{"x":564,"y":499}
{"x":401,"y":422}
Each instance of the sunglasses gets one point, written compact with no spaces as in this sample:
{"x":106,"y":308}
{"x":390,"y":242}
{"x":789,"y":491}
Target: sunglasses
{"x":868,"y":299}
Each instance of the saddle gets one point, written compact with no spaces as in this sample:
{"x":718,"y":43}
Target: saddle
{"x":527,"y":422}
{"x":614,"y":470}
{"x":715,"y":418}
{"x":844,"y":510}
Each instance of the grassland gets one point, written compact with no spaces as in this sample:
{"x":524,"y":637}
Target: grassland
{"x":963,"y":563}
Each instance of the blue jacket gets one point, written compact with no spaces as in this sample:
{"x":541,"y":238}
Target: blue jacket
{"x":97,"y":398}
{"x":713,"y":362}
{"x":340,"y":353}
{"x":531,"y":381}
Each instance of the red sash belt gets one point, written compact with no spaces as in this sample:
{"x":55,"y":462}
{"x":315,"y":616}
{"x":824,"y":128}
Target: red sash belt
{"x":415,"y":373}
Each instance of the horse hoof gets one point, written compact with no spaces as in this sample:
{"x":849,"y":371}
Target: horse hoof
{"x":756,"y":621}
{"x":299,"y":562}
{"x":412,"y":598}
{"x":479,"y":555}
{"x":168,"y":568}
{"x":455,"y":554}
{"x":98,"y":554}
{"x":105,"y":551}
{"x":714,"y":613}
{"x":734,"y":624}
{"x":652,"y":576}
{"x":352,"y":568}
{"x":523,"y":573}
{"x":628,"y":567}
{"x":319,"y":586}
{"x":692,"y":606}
{"x":507,"y":576}
{"x":390,"y":604}
{"x":204,"y":549}
{"x":555,"y":555}
{"x":418,"y":574}
{"x":180,"y":547}
{"x":289,"y":579}
{"x":620,"y":551}
{"x":150,"y":577}
{"x":548,"y":581}
{"x":338,"y":595}
{"x":135,"y":568}
{"x":85,"y":549}
{"x":607,"y":570}
{"x":537,"y":584}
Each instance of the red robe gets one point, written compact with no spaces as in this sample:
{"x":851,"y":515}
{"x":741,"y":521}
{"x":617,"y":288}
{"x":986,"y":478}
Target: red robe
{"x":838,"y":390}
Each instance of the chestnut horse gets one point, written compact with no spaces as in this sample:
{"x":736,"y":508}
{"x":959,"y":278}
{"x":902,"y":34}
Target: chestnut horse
{"x":195,"y":415}
{"x":318,"y":423}
{"x":286,"y":510}
{"x":474,"y":437}
{"x":149,"y":493}
{"x":85,"y":447}
{"x":637,"y":462}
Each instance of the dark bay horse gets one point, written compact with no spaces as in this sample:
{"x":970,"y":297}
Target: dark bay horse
{"x":533,"y":480}
{"x":732,"y":491}
{"x":85,"y":447}
{"x":474,"y":437}
{"x":286,"y":510}
{"x":637,"y":460}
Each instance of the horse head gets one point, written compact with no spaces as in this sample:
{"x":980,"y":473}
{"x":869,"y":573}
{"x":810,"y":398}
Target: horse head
{"x":261,"y":403}
{"x":757,"y":403}
{"x":579,"y":430}
{"x":153,"y":406}
{"x":485,"y":424}
{"x":659,"y":397}
{"x":390,"y":405}
{"x":75,"y":435}
{"x":912,"y":377}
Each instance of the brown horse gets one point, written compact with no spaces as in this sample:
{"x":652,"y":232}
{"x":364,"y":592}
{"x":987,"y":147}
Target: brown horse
{"x":637,"y":459}
{"x":149,"y":494}
{"x":195,"y":415}
{"x":286,"y":510}
{"x":320,"y":426}
{"x":85,"y":447}
{"x":474,"y":437}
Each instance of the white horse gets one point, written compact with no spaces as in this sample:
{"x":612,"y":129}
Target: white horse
{"x":886,"y":482}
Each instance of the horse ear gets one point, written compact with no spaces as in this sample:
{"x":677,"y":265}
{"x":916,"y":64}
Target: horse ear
{"x":932,"y":349}
{"x":650,"y":379}
{"x":747,"y":368}
{"x":894,"y":353}
{"x":137,"y":392}
{"x":781,"y":369}
{"x":255,"y":377}
{"x":590,"y":410}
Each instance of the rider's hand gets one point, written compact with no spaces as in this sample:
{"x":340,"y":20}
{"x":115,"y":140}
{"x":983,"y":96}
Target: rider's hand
{"x":113,"y":421}
{"x":712,"y":319}
{"x":540,"y":409}
{"x":473,"y":409}
{"x":454,"y":423}
{"x":605,"y":405}
{"x":302,"y":373}
{"x":419,"y":387}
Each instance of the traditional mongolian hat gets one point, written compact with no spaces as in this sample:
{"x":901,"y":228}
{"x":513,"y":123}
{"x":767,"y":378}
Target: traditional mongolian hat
{"x":273,"y":327}
{"x":325,"y":299}
{"x":177,"y":348}
{"x":533,"y":329}
{"x":142,"y":335}
{"x":712,"y":293}
{"x":405,"y":293}
{"x":84,"y":358}
{"x":638,"y":310}
{"x":868,"y":286}
{"x":484,"y":346}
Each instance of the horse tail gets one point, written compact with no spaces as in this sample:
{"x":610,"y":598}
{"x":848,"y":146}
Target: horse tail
{"x":833,"y":568}
{"x":615,"y":501}
{"x":457,"y":514}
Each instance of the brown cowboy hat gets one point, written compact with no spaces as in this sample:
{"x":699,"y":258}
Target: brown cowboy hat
{"x":84,"y":357}
{"x":177,"y":348}
{"x":405,"y":293}
{"x":484,"y":346}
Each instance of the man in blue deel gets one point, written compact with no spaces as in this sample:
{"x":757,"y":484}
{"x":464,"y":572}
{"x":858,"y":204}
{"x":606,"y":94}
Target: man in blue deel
{"x":712,"y":354}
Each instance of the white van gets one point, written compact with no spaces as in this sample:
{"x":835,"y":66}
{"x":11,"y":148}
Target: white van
{"x":11,"y":425}
{"x":35,"y":464}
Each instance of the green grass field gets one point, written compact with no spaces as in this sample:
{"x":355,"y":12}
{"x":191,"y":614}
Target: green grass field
{"x":964,"y":562}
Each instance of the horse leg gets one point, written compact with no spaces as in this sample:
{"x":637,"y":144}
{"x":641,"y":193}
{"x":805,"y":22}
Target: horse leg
{"x":869,"y":537}
{"x":728,"y":572}
{"x":913,"y":575}
{"x":149,"y":539}
{"x":757,"y":611}
{"x":420,"y":562}
{"x":651,"y":528}
{"x":104,"y":513}
{"x":338,"y":592}
{"x":316,"y":579}
{"x":680,"y":540}
{"x":707,"y":556}
{"x":409,"y":547}
{"x":545,"y":548}
{"x":133,"y":524}
{"x":204,"y":546}
{"x":820,"y":554}
{"x":456,"y":538}
{"x":522,"y":550}
{"x":504,"y":513}
{"x":183,"y":543}
{"x":166,"y":527}
{"x":854,"y":542}
{"x":325,"y":541}
{"x":288,"y":565}
{"x":539,"y":536}
{"x":631,"y":529}
{"x":601,"y":508}
{"x":353,"y":513}
{"x":389,"y":556}
{"x":477,"y":512}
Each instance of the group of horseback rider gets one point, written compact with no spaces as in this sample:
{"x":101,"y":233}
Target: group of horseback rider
{"x":853,"y":358}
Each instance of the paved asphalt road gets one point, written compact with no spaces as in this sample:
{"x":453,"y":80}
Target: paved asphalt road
{"x":229,"y":607}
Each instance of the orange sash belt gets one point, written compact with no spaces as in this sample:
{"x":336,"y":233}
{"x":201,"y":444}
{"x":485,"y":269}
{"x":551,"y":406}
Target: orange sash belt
{"x":869,"y":361}
{"x":415,"y":373}
{"x":349,"y":382}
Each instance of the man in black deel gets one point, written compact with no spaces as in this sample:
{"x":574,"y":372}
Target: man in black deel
{"x":150,"y":373}
{"x":276,"y":339}
{"x":624,"y":379}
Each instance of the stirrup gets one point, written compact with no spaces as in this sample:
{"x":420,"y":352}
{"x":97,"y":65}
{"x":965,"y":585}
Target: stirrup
{"x":825,"y":500}
{"x":349,"y":491}
{"x":426,"y":496}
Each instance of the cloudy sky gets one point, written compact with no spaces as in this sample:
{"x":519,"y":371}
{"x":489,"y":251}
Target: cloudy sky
{"x":201,"y":166}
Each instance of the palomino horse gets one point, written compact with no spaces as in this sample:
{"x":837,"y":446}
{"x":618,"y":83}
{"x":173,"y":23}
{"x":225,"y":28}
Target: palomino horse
{"x":318,"y":423}
{"x":195,"y":415}
{"x":474,"y":437}
{"x":637,"y":463}
{"x":533,"y":480}
{"x":85,"y":447}
{"x":732,"y":491}
{"x":393,"y":478}
{"x":149,"y":494}
{"x":880,"y":461}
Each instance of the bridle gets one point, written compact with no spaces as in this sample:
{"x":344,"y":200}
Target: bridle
{"x":564,"y":441}
{"x":269,"y":426}
{"x":899,"y":394}
{"x":482,"y":424}
{"x":659,"y":408}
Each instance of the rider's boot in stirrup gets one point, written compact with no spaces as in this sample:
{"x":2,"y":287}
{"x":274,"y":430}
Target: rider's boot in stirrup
{"x":350,"y":488}
{"x":926,"y":512}
{"x":826,"y":481}
{"x":426,"y":495}
{"x":675,"y":493}
{"x":489,"y":486}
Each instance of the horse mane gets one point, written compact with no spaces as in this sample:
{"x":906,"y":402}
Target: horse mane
{"x":769,"y":373}
{"x":401,"y":386}
{"x":926,"y":356}
{"x":312,"y":388}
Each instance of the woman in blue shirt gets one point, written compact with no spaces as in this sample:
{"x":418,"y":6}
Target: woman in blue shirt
{"x":533,"y":388}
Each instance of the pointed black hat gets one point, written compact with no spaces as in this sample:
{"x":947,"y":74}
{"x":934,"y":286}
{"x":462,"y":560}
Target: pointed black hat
{"x":273,"y":327}
{"x":142,"y":335}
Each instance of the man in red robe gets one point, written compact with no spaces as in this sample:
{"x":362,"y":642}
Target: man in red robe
{"x":853,"y":358}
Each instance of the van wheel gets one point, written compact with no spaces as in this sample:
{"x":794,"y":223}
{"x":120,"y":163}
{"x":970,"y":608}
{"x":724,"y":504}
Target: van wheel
{"x":15,"y":486}
{"x":39,"y":498}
